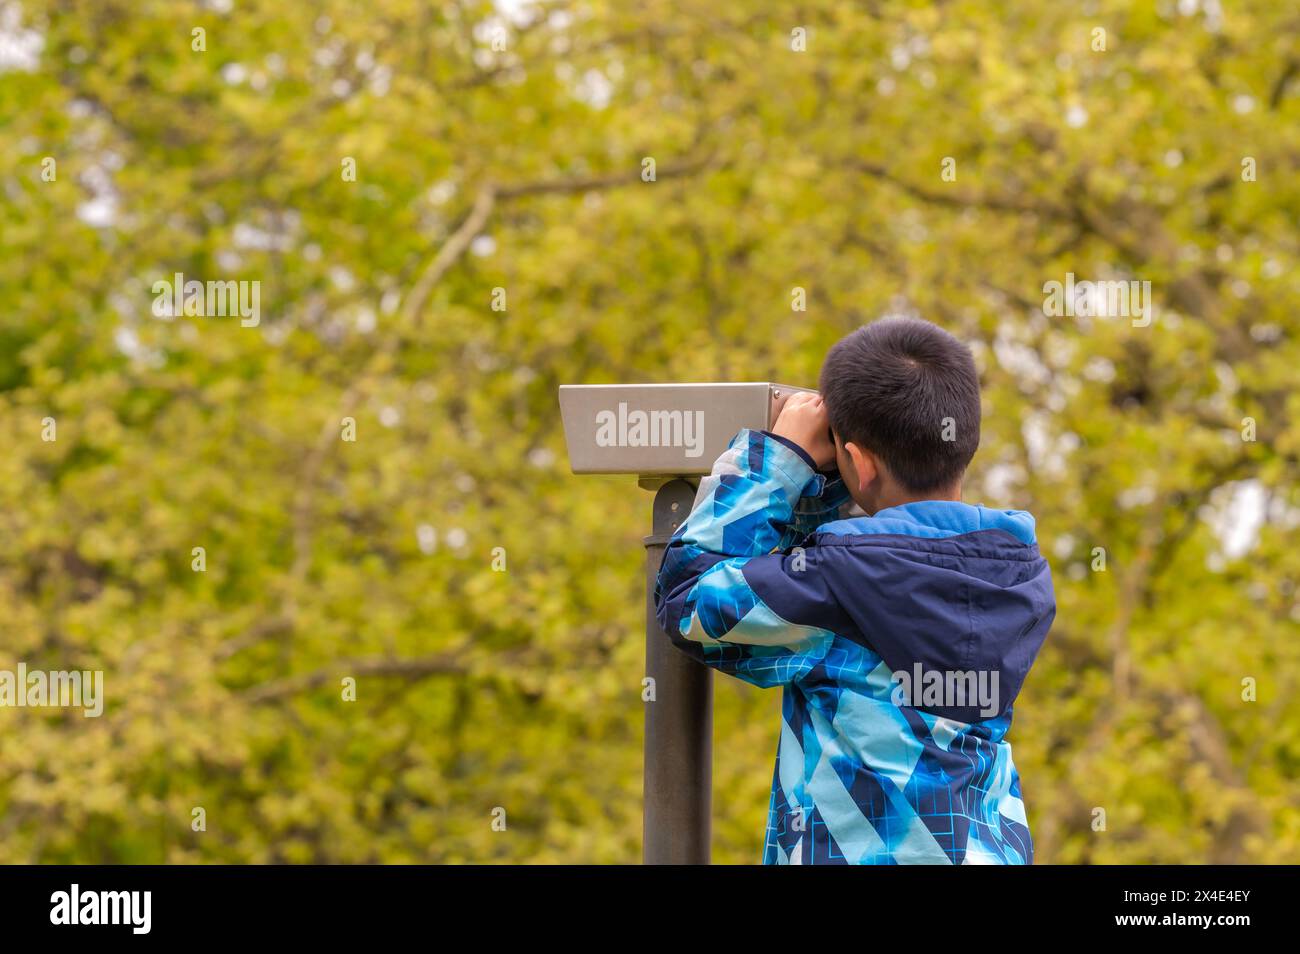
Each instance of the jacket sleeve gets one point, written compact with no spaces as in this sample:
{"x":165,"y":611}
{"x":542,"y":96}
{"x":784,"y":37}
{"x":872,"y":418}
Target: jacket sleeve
{"x":735,"y":590}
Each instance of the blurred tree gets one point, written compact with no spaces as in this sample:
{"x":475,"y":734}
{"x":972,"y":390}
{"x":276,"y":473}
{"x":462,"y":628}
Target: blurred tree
{"x":393,"y":173}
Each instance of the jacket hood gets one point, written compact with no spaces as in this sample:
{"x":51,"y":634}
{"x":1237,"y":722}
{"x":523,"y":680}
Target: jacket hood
{"x":955,"y":598}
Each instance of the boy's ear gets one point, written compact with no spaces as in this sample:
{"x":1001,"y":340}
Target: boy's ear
{"x":864,"y":466}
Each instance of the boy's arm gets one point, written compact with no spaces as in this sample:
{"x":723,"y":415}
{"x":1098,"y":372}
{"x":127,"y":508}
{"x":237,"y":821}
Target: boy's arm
{"x":730,"y":592}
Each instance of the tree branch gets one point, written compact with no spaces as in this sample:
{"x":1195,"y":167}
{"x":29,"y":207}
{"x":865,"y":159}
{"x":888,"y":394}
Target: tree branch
{"x":451,"y":250}
{"x":418,"y":668}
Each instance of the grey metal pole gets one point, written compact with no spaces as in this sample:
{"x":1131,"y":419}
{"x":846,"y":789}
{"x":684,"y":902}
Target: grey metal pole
{"x":679,"y":722}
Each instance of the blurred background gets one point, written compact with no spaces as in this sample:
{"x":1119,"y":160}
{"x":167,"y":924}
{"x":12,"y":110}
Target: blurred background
{"x":546,"y":193}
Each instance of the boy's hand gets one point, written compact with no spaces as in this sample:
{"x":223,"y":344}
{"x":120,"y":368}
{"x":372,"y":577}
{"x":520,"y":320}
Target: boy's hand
{"x":804,"y":421}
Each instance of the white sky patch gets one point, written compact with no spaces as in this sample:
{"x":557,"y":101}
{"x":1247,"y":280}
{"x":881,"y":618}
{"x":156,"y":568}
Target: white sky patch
{"x":1020,"y":360}
{"x":228,"y":260}
{"x":1211,"y":10}
{"x":591,"y":87}
{"x":440,"y":193}
{"x":1236,"y":514}
{"x":899,"y":307}
{"x":1038,"y":439}
{"x":245,"y":235}
{"x":1131,"y":498}
{"x":127,"y":341}
{"x":1099,"y":369}
{"x":342,"y":278}
{"x":1283,"y":514}
{"x":100,"y":210}
{"x":594,"y":89}
{"x":1048,"y":452}
{"x":381,"y":80}
{"x":328,"y":55}
{"x":518,"y":12}
{"x":1003,"y":482}
{"x":273,"y":333}
{"x":20,"y":48}
{"x":1064,"y":545}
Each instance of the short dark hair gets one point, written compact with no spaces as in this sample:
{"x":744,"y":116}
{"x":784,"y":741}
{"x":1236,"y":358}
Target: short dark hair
{"x":907,"y":391}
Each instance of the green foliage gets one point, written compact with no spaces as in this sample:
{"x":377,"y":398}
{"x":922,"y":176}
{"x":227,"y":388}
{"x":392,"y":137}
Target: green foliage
{"x":479,"y":689}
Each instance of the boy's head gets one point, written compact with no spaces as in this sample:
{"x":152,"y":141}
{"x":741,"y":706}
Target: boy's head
{"x":903,"y":399}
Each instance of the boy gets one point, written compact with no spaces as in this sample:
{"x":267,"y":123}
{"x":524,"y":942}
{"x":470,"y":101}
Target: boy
{"x":900,"y":638}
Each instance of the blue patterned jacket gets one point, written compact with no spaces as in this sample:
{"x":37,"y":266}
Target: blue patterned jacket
{"x":864,"y":622}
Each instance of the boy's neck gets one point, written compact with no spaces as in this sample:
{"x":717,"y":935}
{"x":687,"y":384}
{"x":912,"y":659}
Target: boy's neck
{"x":897,"y":496}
